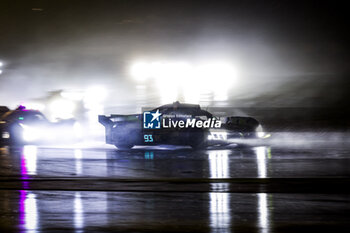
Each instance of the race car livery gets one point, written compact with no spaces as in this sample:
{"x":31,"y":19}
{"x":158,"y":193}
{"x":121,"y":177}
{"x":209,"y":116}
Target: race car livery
{"x":177,"y":124}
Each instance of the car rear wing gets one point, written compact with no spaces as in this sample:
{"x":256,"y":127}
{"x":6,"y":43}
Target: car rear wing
{"x":110,"y":120}
{"x":3,"y":110}
{"x":238,"y":121}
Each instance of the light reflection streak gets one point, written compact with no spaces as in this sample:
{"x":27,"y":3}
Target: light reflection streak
{"x":28,"y":164}
{"x":78,"y":155}
{"x":28,"y":211}
{"x":263,"y":213}
{"x":149,"y":155}
{"x":219,"y":210}
{"x":261,"y":153}
{"x":28,"y":161}
{"x":78,"y":213}
{"x":218,"y":162}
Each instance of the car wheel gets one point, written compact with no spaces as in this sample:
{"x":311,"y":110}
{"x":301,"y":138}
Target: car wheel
{"x":198,"y":141}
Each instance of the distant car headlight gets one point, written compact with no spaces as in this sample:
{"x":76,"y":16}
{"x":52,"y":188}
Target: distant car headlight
{"x":5,"y":135}
{"x":260,"y":132}
{"x":217,"y":135}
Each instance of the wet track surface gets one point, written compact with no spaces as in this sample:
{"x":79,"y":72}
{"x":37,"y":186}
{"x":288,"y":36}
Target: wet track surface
{"x":232,"y":189}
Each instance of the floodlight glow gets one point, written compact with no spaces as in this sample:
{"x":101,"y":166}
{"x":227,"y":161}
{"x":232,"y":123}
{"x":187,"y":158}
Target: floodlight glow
{"x":168,"y":94}
{"x":78,"y":131}
{"x":0,"y":71}
{"x":1,"y":64}
{"x":35,"y":106}
{"x":191,"y":80}
{"x":141,"y":71}
{"x":169,"y":78}
{"x":95,"y":95}
{"x":62,"y":109}
{"x":191,"y":95}
{"x":94,"y":102}
{"x":216,"y":77}
{"x":76,"y":96}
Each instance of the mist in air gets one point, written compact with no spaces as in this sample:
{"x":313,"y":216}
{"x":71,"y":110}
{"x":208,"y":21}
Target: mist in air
{"x":279,"y":62}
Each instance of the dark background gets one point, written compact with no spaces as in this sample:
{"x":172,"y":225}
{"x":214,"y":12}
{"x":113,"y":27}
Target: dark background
{"x":290,"y":54}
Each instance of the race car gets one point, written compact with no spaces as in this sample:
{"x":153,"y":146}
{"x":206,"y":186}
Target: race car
{"x":22,"y":126}
{"x":177,"y":124}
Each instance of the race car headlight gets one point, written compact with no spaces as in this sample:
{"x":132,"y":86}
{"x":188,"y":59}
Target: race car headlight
{"x":260,"y":132}
{"x":221,"y":135}
{"x":5,"y":135}
{"x":30,"y":134}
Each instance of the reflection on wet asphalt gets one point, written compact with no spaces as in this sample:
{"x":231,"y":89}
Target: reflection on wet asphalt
{"x":35,"y":211}
{"x":250,"y":189}
{"x":260,"y":162}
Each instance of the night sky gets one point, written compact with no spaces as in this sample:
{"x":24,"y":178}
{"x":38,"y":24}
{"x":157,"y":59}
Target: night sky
{"x":288,"y":53}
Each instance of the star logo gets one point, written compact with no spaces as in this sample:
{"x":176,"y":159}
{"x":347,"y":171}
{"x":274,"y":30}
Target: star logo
{"x":151,"y":120}
{"x":156,"y":115}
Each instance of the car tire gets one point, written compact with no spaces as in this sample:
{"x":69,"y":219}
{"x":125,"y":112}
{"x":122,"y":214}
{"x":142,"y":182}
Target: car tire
{"x":198,"y":142}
